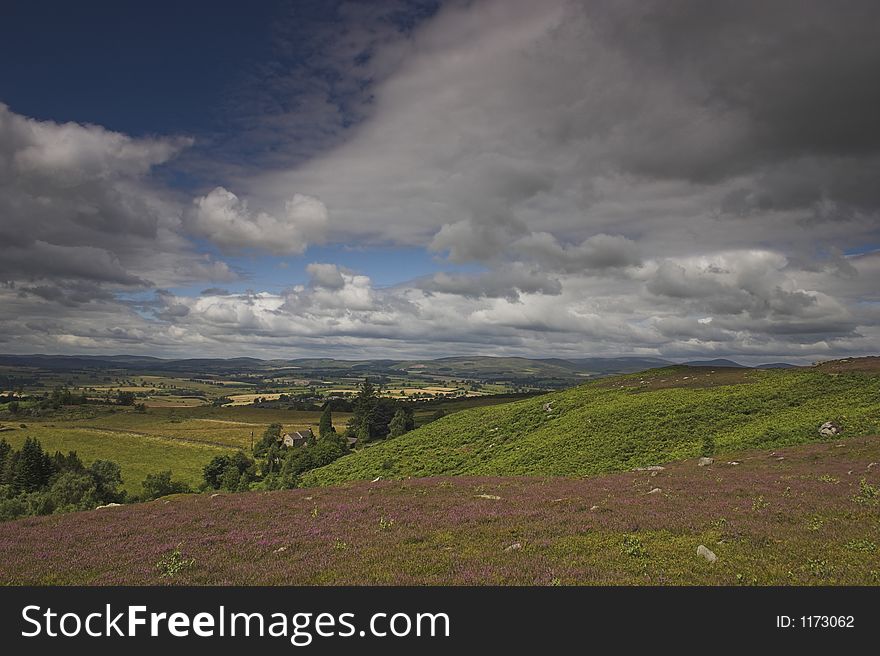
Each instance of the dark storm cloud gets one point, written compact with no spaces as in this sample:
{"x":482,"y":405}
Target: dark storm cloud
{"x":801,"y":72}
{"x":507,"y":282}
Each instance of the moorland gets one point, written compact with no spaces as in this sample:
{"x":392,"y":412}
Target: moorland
{"x":619,"y":479}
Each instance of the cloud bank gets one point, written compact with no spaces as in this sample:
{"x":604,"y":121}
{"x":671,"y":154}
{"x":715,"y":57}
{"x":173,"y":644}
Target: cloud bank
{"x":659,"y":178}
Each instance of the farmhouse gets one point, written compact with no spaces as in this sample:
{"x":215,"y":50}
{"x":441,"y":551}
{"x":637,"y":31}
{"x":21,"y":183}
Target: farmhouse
{"x":297,"y":438}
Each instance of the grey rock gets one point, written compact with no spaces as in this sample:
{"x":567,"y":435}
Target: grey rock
{"x":704,"y":461}
{"x":830,"y":429}
{"x":704,"y":552}
{"x":516,"y":546}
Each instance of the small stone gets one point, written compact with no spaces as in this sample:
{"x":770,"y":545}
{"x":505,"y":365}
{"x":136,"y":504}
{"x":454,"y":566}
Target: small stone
{"x":656,"y":490}
{"x":704,"y":552}
{"x":594,"y":508}
{"x":780,"y":458}
{"x":704,"y":461}
{"x":280,"y":549}
{"x":376,"y":480}
{"x":494,"y":497}
{"x":516,"y":546}
{"x":108,"y":505}
{"x":734,"y":463}
{"x":830,"y":429}
{"x":216,"y":494}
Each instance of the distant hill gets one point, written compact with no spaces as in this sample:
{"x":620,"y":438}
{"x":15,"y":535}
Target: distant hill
{"x":540,"y":372}
{"x":720,"y":362}
{"x":622,"y":422}
{"x":777,"y":365}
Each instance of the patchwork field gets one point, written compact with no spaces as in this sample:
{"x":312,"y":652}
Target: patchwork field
{"x":800,"y":515}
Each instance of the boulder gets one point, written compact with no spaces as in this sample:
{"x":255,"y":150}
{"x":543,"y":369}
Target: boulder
{"x":108,"y":505}
{"x":830,"y":429}
{"x":704,"y":552}
{"x":704,"y":461}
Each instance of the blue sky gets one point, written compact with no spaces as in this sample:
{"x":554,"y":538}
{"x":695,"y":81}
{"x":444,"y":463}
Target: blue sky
{"x":140,"y":68}
{"x":425,"y":178}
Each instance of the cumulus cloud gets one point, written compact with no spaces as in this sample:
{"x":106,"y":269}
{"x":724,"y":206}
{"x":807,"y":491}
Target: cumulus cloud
{"x":78,"y":206}
{"x":325,"y":275}
{"x":226,"y":219}
{"x":509,"y":282}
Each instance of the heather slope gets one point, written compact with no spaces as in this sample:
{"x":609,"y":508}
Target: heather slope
{"x":623,"y":422}
{"x":800,"y":515}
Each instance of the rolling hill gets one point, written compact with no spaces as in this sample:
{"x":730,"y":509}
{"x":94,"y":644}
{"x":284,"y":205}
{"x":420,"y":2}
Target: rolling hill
{"x":623,"y":422}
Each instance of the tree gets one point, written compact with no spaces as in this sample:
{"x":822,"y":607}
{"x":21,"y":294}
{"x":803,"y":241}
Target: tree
{"x":33,"y":468}
{"x":214,"y":470}
{"x":108,"y":477}
{"x":125,"y":398}
{"x":397,"y":427}
{"x":231,"y":478}
{"x":216,"y":476}
{"x":69,"y":462}
{"x":325,"y":427}
{"x":160,"y":485}
{"x":271,"y":436}
{"x":5,"y":451}
{"x":13,"y":407}
{"x":74,"y":491}
{"x":371,"y":414}
{"x":363,"y":408}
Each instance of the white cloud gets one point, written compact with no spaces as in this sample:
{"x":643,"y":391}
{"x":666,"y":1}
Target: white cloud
{"x":227,"y":220}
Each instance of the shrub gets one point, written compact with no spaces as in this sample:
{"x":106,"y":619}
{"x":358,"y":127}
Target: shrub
{"x":708,"y":449}
{"x":160,"y":485}
{"x":173,"y":563}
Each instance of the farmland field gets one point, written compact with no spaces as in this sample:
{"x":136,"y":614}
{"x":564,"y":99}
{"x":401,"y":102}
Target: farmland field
{"x":180,"y":439}
{"x":137,"y":454}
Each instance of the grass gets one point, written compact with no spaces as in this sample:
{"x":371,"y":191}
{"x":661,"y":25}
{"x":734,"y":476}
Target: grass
{"x":137,"y":455}
{"x":180,"y":439}
{"x":617,"y":424}
{"x":605,"y":530}
{"x":223,"y":427}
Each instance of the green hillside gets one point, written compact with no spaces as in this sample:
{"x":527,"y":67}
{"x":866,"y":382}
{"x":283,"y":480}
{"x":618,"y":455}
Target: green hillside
{"x":624,"y":422}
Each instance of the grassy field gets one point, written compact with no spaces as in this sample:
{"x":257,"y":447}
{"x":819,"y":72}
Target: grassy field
{"x":804,"y":515}
{"x":619,"y":423}
{"x":137,"y":455}
{"x":181,"y":439}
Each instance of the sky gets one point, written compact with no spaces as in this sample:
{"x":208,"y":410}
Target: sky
{"x":417,"y":178}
